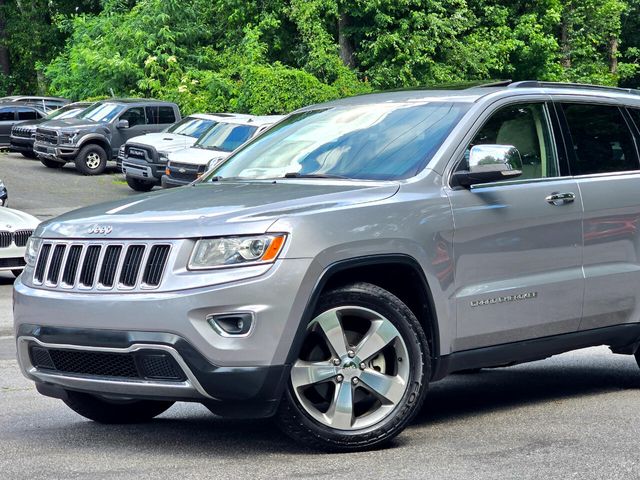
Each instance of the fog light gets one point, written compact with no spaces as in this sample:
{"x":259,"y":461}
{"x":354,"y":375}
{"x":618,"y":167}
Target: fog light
{"x":231,"y":324}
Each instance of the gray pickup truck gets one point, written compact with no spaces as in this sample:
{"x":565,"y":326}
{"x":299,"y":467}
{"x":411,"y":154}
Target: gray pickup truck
{"x":95,"y":136}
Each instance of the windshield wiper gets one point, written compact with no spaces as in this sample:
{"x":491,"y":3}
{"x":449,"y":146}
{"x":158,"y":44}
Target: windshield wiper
{"x":311,"y":175}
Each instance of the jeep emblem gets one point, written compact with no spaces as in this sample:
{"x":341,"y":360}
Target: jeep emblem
{"x":100,"y":229}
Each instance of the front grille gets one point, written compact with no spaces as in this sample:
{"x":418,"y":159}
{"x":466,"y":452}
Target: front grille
{"x":145,"y":364}
{"x":19,"y":238}
{"x":140,"y":152}
{"x":47,"y":136}
{"x":185,"y":171}
{"x":21,"y":132}
{"x":17,"y":262}
{"x":87,"y":266}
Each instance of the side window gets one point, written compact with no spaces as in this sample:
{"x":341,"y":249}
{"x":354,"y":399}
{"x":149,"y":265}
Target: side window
{"x":167,"y":115}
{"x":27,"y":114}
{"x":526,"y":127}
{"x":152,"y":115}
{"x":135,"y":116}
{"x":602,"y":141}
{"x":7,"y":114}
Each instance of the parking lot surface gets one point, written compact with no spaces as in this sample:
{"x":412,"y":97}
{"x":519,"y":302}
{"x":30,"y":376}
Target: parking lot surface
{"x":571,"y":416}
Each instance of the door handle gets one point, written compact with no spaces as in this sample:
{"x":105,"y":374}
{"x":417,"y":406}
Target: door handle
{"x":558,"y":199}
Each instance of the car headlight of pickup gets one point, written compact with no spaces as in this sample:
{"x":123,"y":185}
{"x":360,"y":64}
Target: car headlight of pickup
{"x":68,"y":138}
{"x":227,"y":252}
{"x":163,"y":157}
{"x":213,"y":163}
{"x":31,"y":251}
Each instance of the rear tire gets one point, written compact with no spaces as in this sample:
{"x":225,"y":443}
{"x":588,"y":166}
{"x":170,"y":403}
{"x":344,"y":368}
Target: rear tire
{"x":140,"y":185}
{"x":51,"y":163}
{"x":30,"y":155}
{"x":91,"y":160}
{"x":112,"y":412}
{"x":361,"y":332}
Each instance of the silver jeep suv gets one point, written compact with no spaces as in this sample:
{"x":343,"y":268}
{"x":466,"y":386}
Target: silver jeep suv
{"x":358,"y":250}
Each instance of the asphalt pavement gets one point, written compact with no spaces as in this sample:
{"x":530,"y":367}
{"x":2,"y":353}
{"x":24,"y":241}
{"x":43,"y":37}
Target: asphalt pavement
{"x":570,"y":416}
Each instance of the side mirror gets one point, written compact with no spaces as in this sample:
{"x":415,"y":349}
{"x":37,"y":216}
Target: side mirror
{"x":122,"y":124}
{"x":489,"y":163}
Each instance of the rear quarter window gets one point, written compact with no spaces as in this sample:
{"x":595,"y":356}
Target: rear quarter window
{"x":166,"y":115}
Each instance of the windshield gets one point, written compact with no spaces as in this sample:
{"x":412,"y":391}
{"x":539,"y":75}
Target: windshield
{"x":103,"y":112}
{"x":68,"y":111}
{"x":191,"y":127}
{"x":385,"y":141}
{"x":226,"y":137}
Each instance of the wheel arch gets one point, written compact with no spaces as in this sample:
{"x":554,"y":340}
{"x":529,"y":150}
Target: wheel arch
{"x":379,"y":270}
{"x":96,"y":140}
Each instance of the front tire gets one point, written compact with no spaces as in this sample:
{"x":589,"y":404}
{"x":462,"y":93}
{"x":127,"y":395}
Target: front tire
{"x":112,"y":412}
{"x":51,"y":163}
{"x":362,"y":372}
{"x":91,"y":160}
{"x":139,"y":185}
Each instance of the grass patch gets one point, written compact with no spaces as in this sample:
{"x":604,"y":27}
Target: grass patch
{"x":117,"y":181}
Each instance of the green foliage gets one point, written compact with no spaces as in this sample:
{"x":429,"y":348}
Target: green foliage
{"x":273,"y":56}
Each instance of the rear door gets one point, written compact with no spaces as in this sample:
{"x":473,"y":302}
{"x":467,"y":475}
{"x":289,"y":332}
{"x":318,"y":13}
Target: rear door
{"x":604,"y":160}
{"x":518,"y":252}
{"x":7,"y":119}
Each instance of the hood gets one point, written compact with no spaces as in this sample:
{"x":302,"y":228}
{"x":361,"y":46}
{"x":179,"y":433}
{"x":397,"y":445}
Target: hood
{"x":219,"y":208}
{"x":164,"y":142}
{"x":197,"y":156}
{"x":30,"y":124}
{"x":70,"y":123}
{"x":15,"y":219}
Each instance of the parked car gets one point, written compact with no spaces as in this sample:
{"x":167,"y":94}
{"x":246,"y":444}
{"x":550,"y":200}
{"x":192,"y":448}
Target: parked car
{"x":144,"y":159}
{"x":4,"y":195}
{"x":15,"y":229}
{"x":23,"y":134}
{"x":186,"y":165}
{"x":13,"y":113}
{"x":95,"y":136}
{"x":45,"y":104}
{"x":333,"y":267}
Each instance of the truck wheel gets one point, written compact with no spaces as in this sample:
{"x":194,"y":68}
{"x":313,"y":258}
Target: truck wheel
{"x":112,"y":411}
{"x":31,"y":155}
{"x":361,"y":374}
{"x":51,"y":163}
{"x":91,"y":160}
{"x":140,"y":185}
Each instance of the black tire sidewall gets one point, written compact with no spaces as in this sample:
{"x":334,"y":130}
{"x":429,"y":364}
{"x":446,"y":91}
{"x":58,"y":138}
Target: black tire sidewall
{"x":139,"y":185}
{"x":386,"y":304}
{"x":81,"y":160}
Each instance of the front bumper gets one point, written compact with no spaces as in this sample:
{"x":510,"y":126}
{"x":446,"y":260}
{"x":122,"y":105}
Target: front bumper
{"x":143,"y":170}
{"x":169,"y":182}
{"x":52,"y":152}
{"x":228,"y":391}
{"x":21,"y":144}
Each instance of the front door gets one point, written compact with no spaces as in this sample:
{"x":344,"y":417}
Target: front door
{"x":137,"y":126}
{"x":518,"y":243}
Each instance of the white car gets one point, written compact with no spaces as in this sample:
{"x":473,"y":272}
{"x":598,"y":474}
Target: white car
{"x":15,"y":229}
{"x":216,"y":144}
{"x":143,"y":159}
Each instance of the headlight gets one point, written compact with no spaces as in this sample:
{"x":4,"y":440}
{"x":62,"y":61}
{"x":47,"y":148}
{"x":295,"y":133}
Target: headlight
{"x":31,"y":251}
{"x":121,"y":151}
{"x":213,"y":162}
{"x":68,"y":138}
{"x":162,"y":157}
{"x":235,"y":251}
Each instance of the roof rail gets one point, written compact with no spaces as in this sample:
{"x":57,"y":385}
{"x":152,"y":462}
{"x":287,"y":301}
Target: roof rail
{"x":497,"y":83}
{"x":538,"y":84}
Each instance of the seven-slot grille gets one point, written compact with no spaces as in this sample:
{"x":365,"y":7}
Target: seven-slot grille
{"x":47,"y":136}
{"x":101,"y":265}
{"x":19,"y":238}
{"x":22,"y":132}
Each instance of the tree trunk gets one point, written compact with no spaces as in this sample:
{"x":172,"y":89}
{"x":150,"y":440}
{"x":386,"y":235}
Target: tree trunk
{"x":565,"y":46}
{"x":344,"y":42}
{"x":5,"y":67}
{"x":613,"y":54}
